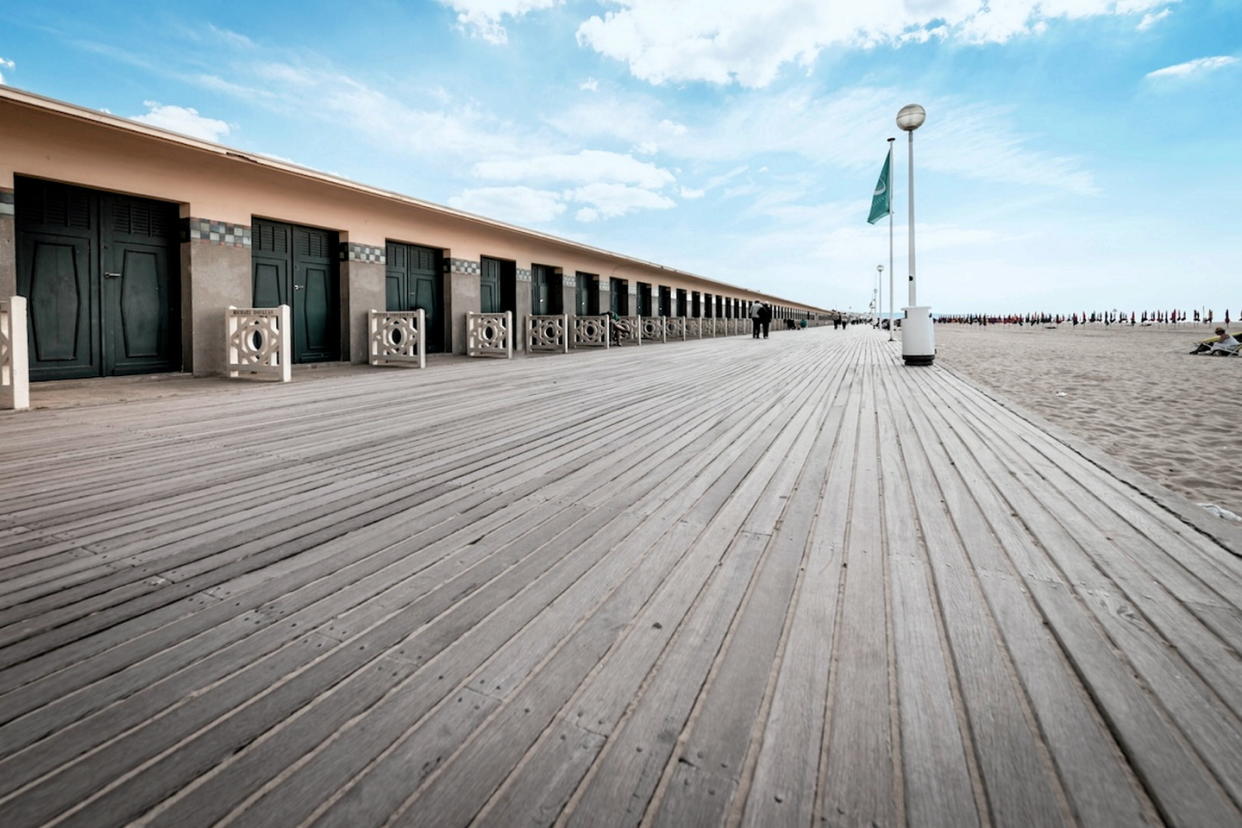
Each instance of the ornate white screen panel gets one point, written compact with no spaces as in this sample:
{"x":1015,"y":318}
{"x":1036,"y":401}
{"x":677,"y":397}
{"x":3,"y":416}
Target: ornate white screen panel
{"x":547,"y":332}
{"x":653,"y":329}
{"x":260,"y":343}
{"x":591,"y":331}
{"x":398,"y":338}
{"x":14,"y":368}
{"x":489,"y":334}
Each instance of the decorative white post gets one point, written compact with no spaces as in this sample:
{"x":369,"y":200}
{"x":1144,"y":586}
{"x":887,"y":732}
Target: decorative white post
{"x":398,"y":337}
{"x":14,"y":366}
{"x":259,"y":342}
{"x":489,"y":334}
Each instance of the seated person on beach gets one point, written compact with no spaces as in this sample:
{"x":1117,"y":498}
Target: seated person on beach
{"x":1223,"y":344}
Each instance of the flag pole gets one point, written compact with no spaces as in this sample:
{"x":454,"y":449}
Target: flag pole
{"x":890,"y":239}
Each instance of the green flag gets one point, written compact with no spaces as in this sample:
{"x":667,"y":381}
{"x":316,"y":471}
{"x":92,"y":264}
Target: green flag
{"x":881,"y":202}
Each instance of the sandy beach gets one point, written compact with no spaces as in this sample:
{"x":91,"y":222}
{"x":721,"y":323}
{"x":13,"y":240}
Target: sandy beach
{"x":1133,"y":392}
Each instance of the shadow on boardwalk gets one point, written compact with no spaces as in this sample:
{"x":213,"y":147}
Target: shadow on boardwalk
{"x":783,"y":582}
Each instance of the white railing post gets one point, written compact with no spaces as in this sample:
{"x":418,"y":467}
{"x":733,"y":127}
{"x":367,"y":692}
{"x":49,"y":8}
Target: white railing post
{"x":398,"y":337}
{"x":592,"y":331}
{"x":489,"y":334}
{"x":14,"y":364}
{"x":259,"y":342}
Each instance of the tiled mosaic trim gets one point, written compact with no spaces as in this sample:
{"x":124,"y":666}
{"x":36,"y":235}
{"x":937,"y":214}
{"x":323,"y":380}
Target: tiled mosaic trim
{"x":6,"y":202}
{"x":354,"y":252}
{"x":219,"y":232}
{"x":464,"y":266}
{"x":570,"y":280}
{"x":523,"y":274}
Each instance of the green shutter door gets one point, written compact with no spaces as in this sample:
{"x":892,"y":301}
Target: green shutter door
{"x":412,"y":281}
{"x":539,"y":290}
{"x":316,"y":310}
{"x":141,"y":299}
{"x":424,"y":292}
{"x":617,"y":298}
{"x":295,"y":266}
{"x":582,"y":304}
{"x":489,"y":286}
{"x":396,"y":280}
{"x":100,"y":273}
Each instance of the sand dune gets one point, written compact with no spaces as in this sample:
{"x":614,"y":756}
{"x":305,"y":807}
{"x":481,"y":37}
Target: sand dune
{"x":1134,"y":392}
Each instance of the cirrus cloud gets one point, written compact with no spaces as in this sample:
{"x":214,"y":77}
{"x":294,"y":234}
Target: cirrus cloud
{"x":1198,"y":66}
{"x":582,"y":167}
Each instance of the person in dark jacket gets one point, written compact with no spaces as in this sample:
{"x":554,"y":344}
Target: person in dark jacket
{"x":765,"y":318}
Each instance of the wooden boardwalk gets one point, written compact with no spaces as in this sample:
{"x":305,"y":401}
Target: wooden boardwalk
{"x":721,"y":582}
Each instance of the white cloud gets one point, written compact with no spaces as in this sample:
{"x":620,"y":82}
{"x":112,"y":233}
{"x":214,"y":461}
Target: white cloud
{"x":484,"y":18}
{"x":612,"y":200}
{"x":1152,"y":18}
{"x":1193,"y":67}
{"x":519,"y":205}
{"x":844,"y":129}
{"x":7,"y":64}
{"x":458,"y":129}
{"x":727,"y":41}
{"x":529,"y":205}
{"x":583,"y":167}
{"x":589,"y":85}
{"x":230,"y":37}
{"x":182,"y":119}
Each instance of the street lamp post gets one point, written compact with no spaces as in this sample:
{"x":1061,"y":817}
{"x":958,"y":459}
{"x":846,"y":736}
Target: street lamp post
{"x":918,"y":344}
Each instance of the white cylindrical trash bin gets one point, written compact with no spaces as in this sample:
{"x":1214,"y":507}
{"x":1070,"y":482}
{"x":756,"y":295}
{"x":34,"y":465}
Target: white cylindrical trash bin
{"x":918,"y":337}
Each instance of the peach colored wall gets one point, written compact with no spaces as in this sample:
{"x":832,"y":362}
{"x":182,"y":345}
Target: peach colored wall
{"x":51,"y":145}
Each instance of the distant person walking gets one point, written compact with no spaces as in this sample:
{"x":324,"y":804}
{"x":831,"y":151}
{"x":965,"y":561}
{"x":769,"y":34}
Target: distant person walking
{"x":755,"y":308}
{"x":765,"y":318}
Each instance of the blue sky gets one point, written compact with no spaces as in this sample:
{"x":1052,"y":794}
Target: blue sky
{"x":1077,"y":153}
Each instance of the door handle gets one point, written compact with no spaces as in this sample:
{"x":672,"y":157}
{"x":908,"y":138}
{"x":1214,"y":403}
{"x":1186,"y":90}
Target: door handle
{"x":108,"y":274}
{"x":299,"y":287}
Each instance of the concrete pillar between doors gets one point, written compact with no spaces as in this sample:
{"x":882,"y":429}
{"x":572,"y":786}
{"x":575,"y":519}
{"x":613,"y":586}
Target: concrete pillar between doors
{"x":362,"y":290}
{"x":462,"y":294}
{"x":215,"y":273}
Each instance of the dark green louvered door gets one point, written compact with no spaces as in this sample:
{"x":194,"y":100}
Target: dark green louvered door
{"x":489,"y":286}
{"x":294,"y":266}
{"x":100,"y":273}
{"x":618,"y":298}
{"x":412,"y":281}
{"x":541,"y":290}
{"x":582,"y":293}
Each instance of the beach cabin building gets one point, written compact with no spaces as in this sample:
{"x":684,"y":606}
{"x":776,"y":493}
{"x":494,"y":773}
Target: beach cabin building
{"x":130,"y":243}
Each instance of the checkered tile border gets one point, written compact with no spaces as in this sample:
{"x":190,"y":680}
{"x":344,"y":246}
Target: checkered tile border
{"x":354,"y":252}
{"x":217,"y":232}
{"x":523,"y":274}
{"x":6,"y":202}
{"x":464,"y":266}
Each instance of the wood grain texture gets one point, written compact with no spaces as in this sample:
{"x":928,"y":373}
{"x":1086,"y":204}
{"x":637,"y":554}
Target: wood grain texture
{"x":721,"y":582}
